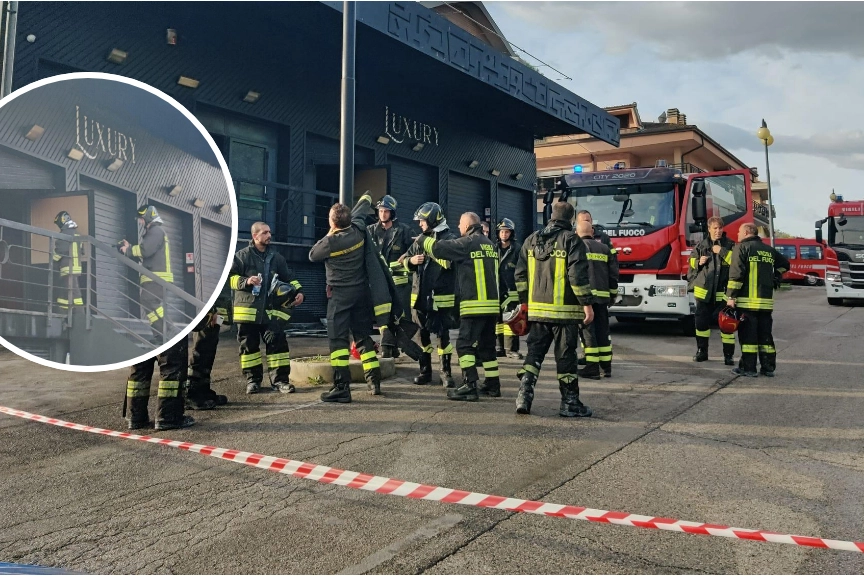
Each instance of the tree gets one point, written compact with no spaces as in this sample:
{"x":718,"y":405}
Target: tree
{"x":780,"y":234}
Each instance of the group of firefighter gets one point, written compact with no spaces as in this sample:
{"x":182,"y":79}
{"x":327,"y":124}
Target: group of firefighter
{"x":556,"y":287}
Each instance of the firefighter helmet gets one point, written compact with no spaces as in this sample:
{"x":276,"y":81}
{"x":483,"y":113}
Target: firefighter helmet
{"x":281,"y":294}
{"x":517,"y":319}
{"x":388,"y":203}
{"x":148,"y":213}
{"x":431,"y":213}
{"x":507,"y":224}
{"x":62,"y":218}
{"x":729,"y":319}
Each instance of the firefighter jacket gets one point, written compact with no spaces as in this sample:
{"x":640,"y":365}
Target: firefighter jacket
{"x":352,"y":260}
{"x":708,"y":281}
{"x":396,"y":244}
{"x":249,"y":262}
{"x":602,"y":271}
{"x":155,"y":253}
{"x":552,"y":275}
{"x":222,"y":306}
{"x":435,"y":283}
{"x":67,"y":254}
{"x":507,"y":259}
{"x":751,"y":274}
{"x":475,"y":262}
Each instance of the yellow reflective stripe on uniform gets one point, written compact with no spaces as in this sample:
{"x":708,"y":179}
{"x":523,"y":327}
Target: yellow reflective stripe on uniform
{"x":428,"y":349}
{"x":727,"y":338}
{"x":75,"y":262}
{"x":756,"y":303}
{"x":600,"y":293}
{"x":558,"y":286}
{"x":137,"y":389}
{"x":749,"y":348}
{"x":347,"y":250}
{"x":413,"y":299}
{"x":400,"y":280}
{"x":382,"y":309}
{"x":480,"y":279}
{"x":250,"y":360}
{"x":446,"y":350}
{"x":693,"y":263}
{"x":703,"y":333}
{"x":700,"y":293}
{"x":167,"y":263}
{"x":156,"y":315}
{"x":57,"y":257}
{"x":278,"y":314}
{"x":592,"y":354}
{"x":296,"y":284}
{"x":279,"y":359}
{"x":467,"y":361}
{"x":235,"y":281}
{"x":244,"y":314}
{"x":168,"y":389}
{"x":499,"y":328}
{"x":521,"y":286}
{"x":768,"y":349}
{"x":444,"y":300}
{"x":371,"y":364}
{"x":490,"y":368}
{"x":136,"y":251}
{"x":566,"y":377}
{"x":581,"y":290}
{"x":508,"y":331}
{"x":728,"y":258}
{"x":478,"y":307}
{"x":339,"y":358}
{"x":735,"y":285}
{"x":531,"y":369}
{"x":721,"y":296}
{"x":753,"y":281}
{"x":605,"y":353}
{"x":598,"y":257}
{"x":613,"y":291}
{"x":369,"y":360}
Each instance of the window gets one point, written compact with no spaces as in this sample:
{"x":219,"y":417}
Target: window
{"x":787,"y":251}
{"x":727,"y":196}
{"x":811,"y":252}
{"x":247,"y":161}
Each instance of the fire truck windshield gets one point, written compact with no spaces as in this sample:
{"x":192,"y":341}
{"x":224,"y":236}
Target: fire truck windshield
{"x":851,"y":234}
{"x":628,"y":205}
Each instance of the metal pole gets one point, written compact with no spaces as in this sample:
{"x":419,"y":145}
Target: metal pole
{"x":346,"y":154}
{"x":9,"y":49}
{"x":770,"y":201}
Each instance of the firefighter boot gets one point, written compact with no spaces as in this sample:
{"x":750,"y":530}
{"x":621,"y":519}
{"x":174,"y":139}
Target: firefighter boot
{"x":729,"y":354}
{"x":425,"y":376}
{"x":199,"y":396}
{"x":591,"y":370}
{"x":340,"y":392}
{"x":136,"y":417}
{"x":606,"y":367}
{"x":490,"y":387}
{"x":571,"y":406}
{"x":388,"y":351}
{"x":169,"y":414}
{"x":467,"y":392}
{"x":701,"y":355}
{"x":373,"y":381}
{"x":446,"y":372}
{"x":526,"y":393}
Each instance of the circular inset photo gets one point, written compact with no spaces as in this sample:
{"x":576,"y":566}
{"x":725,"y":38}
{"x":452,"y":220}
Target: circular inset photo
{"x":118,"y":222}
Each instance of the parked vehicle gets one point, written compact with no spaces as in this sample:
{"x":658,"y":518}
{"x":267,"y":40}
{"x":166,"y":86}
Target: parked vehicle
{"x":809,"y":259}
{"x":845,"y":279}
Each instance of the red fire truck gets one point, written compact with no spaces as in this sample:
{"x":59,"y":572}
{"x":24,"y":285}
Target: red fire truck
{"x":844,"y":277}
{"x":655,"y":216}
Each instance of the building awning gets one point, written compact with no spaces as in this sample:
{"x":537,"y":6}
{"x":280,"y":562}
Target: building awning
{"x":446,"y":58}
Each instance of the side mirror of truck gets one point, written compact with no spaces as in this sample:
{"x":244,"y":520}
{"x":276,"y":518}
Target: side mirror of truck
{"x":699,"y":208}
{"x":819,"y":235}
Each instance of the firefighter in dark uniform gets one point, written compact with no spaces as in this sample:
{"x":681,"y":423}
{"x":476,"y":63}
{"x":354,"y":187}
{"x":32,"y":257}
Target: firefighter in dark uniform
{"x":601,"y":236}
{"x":553,"y":281}
{"x":256,"y":317}
{"x":707,"y":276}
{"x":205,"y":340}
{"x":508,"y":256}
{"x":475,"y":262}
{"x":350,"y":309}
{"x":603,"y":274}
{"x":154,"y":252}
{"x":393,"y":239}
{"x":169,"y":396}
{"x":67,"y":258}
{"x":433,"y":296}
{"x":755,"y":270}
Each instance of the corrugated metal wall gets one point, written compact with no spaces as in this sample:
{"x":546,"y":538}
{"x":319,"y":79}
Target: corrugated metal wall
{"x":215,"y":244}
{"x":21,"y":172}
{"x":518,"y":206}
{"x":112,"y":211}
{"x":466,"y":194}
{"x":412,"y":184}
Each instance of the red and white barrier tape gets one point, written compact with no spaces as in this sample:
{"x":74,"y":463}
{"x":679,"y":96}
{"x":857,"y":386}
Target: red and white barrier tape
{"x":393,"y":487}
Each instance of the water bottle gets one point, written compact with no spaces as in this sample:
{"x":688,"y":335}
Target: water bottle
{"x":257,"y":289}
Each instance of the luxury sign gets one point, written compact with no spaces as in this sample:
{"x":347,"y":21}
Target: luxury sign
{"x":93,"y":138}
{"x":399,"y":128}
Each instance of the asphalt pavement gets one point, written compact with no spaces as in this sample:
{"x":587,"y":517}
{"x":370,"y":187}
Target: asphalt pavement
{"x":669,"y":438}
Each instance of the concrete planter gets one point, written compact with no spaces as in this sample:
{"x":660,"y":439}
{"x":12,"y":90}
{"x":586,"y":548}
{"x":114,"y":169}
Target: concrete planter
{"x":303,"y":369}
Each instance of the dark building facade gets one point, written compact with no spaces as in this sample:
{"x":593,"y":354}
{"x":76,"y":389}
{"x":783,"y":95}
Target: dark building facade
{"x":440,"y":116}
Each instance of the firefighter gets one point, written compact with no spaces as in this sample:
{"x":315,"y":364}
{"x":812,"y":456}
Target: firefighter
{"x":475,"y":263}
{"x":755,"y":270}
{"x":67,"y":256}
{"x":508,"y":255}
{"x":154,"y":252}
{"x":169,"y":397}
{"x":393,"y":239}
{"x":485,"y":226}
{"x":600,"y":235}
{"x":553,"y":281}
{"x":256,"y":318}
{"x":603,"y":274}
{"x":433,"y":296}
{"x":205,"y":340}
{"x":707,"y":276}
{"x":350,"y":308}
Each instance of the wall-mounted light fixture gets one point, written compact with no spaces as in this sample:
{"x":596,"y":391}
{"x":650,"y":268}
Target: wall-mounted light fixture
{"x":495,"y":172}
{"x":198,"y":203}
{"x":516,"y":176}
{"x":417,"y":147}
{"x":171,"y":36}
{"x":473,"y":164}
{"x":76,"y":154}
{"x":175,"y":190}
{"x":224,"y":208}
{"x":188,"y":82}
{"x":115,"y":165}
{"x":383,"y":140}
{"x":117,"y":56}
{"x":251,"y":97}
{"x":35,"y":133}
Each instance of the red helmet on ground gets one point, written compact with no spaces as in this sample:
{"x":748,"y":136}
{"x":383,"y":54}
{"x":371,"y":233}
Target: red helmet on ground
{"x":517,"y":319}
{"x":729,"y":319}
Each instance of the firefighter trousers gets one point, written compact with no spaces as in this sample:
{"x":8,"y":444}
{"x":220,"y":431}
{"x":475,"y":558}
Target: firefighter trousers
{"x":349,"y":315}
{"x":445,"y":347}
{"x":204,"y":344}
{"x":706,"y":316}
{"x":387,"y":337}
{"x":152,"y":304}
{"x":756,"y":339}
{"x":598,"y":345}
{"x":278,"y":354}
{"x":69,"y":289}
{"x":476,"y":341}
{"x":173,"y":364}
{"x":541,"y":335}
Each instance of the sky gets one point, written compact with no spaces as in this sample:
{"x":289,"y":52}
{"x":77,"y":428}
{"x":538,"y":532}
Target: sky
{"x":726,"y":65}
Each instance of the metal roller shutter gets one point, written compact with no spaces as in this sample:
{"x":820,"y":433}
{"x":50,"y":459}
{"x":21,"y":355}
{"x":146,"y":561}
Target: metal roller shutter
{"x":516,"y":204}
{"x":215,"y":240}
{"x":177,"y":232}
{"x":311,"y":277}
{"x":412,"y":184}
{"x":113,"y":219}
{"x":465,"y":194}
{"x":20,"y":172}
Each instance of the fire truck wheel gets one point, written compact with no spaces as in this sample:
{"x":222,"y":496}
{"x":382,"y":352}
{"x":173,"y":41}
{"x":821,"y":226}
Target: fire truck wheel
{"x":812,"y":279}
{"x":835,"y":301}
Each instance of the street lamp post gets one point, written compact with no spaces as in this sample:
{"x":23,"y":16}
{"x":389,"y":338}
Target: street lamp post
{"x":765,"y":135}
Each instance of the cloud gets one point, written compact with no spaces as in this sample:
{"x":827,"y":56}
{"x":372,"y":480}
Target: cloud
{"x":688,"y":31}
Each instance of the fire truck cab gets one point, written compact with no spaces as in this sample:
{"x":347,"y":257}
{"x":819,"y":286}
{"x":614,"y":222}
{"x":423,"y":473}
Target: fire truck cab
{"x":844,"y":279}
